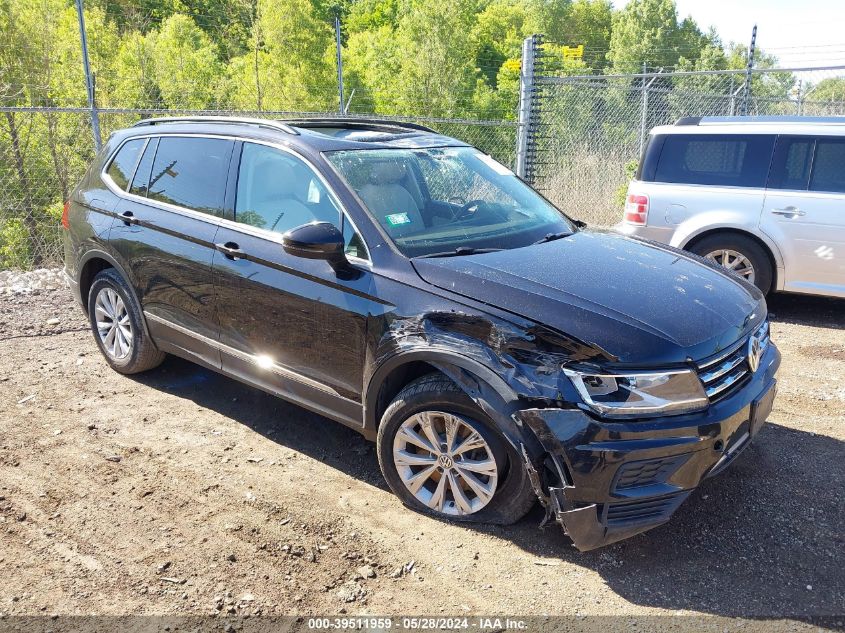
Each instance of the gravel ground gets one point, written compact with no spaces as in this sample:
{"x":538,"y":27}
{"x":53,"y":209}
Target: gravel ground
{"x":181,"y":492}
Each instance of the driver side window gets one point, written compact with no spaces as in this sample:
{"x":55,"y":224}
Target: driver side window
{"x":278,"y":191}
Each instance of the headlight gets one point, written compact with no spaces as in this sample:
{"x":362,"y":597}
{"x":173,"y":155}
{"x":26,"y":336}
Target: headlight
{"x":640,"y":393}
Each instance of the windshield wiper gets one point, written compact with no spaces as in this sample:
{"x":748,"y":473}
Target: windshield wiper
{"x":551,"y":237}
{"x":460,"y":251}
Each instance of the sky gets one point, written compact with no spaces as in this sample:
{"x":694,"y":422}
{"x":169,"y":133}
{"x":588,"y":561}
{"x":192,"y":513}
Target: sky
{"x":799,"y":32}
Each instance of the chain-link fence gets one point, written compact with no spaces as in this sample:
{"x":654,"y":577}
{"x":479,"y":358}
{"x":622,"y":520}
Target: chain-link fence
{"x":587,"y":132}
{"x":44,"y":153}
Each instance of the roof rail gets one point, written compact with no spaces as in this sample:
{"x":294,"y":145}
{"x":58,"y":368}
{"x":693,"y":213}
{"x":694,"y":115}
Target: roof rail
{"x":267,"y":123}
{"x":721,"y":120}
{"x":357,"y":122}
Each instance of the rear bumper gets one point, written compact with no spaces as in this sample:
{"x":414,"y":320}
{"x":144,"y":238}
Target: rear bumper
{"x":617,"y":479}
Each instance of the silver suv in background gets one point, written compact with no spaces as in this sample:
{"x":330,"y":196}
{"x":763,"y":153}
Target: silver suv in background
{"x":762,"y":196}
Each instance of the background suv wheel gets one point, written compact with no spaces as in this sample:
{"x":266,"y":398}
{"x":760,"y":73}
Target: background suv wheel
{"x":441,"y":456}
{"x":117,"y":325}
{"x":741,"y":255}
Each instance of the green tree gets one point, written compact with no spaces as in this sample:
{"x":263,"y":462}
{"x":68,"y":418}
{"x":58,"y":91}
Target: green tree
{"x":185,"y":64}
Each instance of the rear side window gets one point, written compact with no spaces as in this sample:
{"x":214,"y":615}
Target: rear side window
{"x":715,"y":159}
{"x":191,"y":173}
{"x":829,"y":166}
{"x":142,"y":173}
{"x":791,"y":164}
{"x":123,"y":164}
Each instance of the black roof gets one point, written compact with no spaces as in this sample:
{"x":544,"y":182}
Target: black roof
{"x":320,"y":134}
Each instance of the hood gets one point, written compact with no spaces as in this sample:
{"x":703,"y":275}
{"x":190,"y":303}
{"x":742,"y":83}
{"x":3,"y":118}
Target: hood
{"x":642,"y":304}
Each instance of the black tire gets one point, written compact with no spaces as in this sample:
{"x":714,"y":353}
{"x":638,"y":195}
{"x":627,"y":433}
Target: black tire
{"x":750,"y":249}
{"x":513,"y":497}
{"x":143,"y":354}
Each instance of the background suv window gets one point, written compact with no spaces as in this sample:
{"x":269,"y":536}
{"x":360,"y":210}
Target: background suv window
{"x":828,"y":172}
{"x":791,"y":166}
{"x":278,"y":191}
{"x":191,"y":173}
{"x":715,"y":159}
{"x":123,"y":164}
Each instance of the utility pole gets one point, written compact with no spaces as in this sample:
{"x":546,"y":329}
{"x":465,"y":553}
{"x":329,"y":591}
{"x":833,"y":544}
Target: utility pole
{"x":89,"y":78}
{"x":747,"y":92}
{"x":339,"y":66}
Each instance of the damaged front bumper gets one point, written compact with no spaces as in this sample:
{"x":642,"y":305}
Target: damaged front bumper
{"x":605,"y":481}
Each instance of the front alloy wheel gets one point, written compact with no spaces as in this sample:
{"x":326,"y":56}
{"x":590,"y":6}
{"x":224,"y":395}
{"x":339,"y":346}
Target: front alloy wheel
{"x":445,"y":463}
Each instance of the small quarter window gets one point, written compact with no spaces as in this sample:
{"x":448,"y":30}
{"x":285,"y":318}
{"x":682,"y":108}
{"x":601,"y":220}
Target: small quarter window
{"x":123,"y":164}
{"x":142,"y":174}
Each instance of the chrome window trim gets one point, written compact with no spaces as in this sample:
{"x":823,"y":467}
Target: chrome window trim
{"x":276,"y":368}
{"x":213,"y":219}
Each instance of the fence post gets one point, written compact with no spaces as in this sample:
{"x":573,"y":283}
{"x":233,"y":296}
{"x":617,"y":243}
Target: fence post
{"x":89,"y":78}
{"x":526,"y":92}
{"x":339,"y":65}
{"x":747,"y":92}
{"x":644,"y":114}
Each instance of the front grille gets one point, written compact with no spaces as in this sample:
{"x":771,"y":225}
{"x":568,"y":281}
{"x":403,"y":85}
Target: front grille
{"x":647,"y":511}
{"x":727,"y":371}
{"x":647,"y":472}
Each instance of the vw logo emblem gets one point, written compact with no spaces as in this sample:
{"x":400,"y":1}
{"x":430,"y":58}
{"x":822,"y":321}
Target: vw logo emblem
{"x":445,"y":461}
{"x":754,"y":353}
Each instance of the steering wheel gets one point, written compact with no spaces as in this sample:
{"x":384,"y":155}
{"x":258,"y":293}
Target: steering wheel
{"x":468,"y":209}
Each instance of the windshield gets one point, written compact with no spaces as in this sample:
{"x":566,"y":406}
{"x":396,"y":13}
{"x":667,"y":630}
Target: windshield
{"x":442,"y":200}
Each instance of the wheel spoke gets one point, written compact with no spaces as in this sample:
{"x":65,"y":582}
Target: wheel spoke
{"x":451,"y":433}
{"x":459,"y":495}
{"x":428,"y":428}
{"x":482,"y":490}
{"x":482,"y":467}
{"x":472,"y":441}
{"x":404,"y":458}
{"x":438,"y":498}
{"x":410,"y":435}
{"x":416,"y":482}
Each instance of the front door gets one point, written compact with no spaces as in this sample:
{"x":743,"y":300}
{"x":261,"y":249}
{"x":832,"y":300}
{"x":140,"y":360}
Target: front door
{"x":804,"y":213}
{"x":165,"y":233}
{"x":290,"y":325}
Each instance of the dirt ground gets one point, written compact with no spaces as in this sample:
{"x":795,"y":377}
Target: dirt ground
{"x":183,"y":492}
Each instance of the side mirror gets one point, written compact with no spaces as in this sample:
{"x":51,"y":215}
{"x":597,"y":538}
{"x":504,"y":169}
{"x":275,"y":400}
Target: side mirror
{"x":318,"y":240}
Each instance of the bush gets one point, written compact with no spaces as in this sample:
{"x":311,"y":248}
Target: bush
{"x":14,"y":245}
{"x":621,"y":193}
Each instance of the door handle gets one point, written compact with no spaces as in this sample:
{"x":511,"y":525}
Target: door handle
{"x":128,"y":218}
{"x":230,"y":250}
{"x":789,"y":211}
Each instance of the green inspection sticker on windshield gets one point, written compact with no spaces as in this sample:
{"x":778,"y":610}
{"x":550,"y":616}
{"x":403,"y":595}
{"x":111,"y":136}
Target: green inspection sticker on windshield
{"x":397,"y":219}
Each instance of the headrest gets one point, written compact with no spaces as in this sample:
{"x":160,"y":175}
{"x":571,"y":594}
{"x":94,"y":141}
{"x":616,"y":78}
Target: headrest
{"x":385,"y":173}
{"x":274,"y":178}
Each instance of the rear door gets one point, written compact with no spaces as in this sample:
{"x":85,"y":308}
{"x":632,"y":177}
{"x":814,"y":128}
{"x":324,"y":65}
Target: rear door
{"x":804,"y":213}
{"x":164,"y":233}
{"x":289,"y":325}
{"x":709,"y":177}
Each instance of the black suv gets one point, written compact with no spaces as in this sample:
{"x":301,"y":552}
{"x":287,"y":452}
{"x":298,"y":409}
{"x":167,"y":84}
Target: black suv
{"x":409,"y":286}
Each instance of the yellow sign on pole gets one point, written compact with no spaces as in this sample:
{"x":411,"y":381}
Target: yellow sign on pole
{"x":574,"y":53}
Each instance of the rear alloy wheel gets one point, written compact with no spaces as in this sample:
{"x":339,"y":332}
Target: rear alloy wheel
{"x":738,"y":254}
{"x":445,"y":463}
{"x":113,"y":324}
{"x":734,"y":261}
{"x":118,"y":327}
